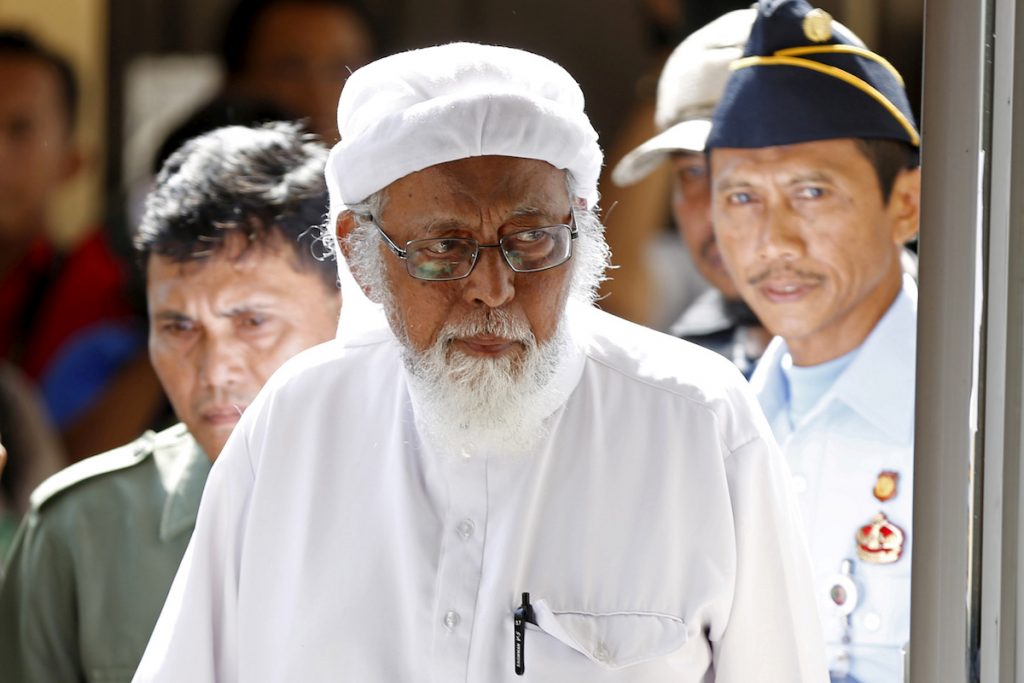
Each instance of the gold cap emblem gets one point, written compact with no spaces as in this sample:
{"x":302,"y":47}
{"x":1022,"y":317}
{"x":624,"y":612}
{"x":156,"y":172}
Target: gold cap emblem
{"x":818,"y":25}
{"x":880,"y":541}
{"x":886,"y":485}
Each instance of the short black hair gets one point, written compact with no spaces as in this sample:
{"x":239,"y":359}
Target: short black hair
{"x":225,"y":109}
{"x":241,"y":22}
{"x":257,"y":181}
{"x":16,"y":43}
{"x":889,"y":158}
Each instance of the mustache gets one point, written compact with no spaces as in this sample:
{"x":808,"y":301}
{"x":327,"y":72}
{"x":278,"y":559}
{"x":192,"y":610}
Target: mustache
{"x":774,"y":270}
{"x":492,"y":322}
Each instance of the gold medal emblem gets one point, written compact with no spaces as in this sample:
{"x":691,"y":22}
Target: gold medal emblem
{"x":818,"y":25}
{"x":880,"y":541}
{"x":886,"y":486}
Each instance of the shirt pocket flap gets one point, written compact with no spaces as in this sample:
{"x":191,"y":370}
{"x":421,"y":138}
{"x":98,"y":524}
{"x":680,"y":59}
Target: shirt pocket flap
{"x":613,"y":639}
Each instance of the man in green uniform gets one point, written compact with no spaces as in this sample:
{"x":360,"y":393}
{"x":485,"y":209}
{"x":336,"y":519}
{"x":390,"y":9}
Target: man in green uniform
{"x":234,"y":288}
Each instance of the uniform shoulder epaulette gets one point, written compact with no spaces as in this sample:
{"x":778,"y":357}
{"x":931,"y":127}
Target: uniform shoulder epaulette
{"x":119,"y":458}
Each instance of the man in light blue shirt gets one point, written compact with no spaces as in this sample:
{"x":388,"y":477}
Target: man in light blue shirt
{"x":815,"y":181}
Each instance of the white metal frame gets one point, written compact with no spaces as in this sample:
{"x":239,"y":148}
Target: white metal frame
{"x":967,"y":591}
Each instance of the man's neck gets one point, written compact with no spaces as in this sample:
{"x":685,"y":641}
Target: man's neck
{"x":849,"y":332}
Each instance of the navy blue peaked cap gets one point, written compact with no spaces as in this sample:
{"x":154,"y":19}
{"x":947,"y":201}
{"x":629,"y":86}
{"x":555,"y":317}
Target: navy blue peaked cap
{"x":804,"y":77}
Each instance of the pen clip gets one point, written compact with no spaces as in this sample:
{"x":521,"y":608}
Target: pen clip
{"x":522,"y":616}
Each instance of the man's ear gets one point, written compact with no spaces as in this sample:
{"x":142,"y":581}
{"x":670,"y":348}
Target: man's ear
{"x":904,"y":206}
{"x":344,"y":225}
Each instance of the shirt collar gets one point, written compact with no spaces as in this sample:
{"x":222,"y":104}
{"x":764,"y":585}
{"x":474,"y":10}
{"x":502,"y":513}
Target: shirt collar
{"x":184,"y":485}
{"x":878,"y":384}
{"x":768,"y":381}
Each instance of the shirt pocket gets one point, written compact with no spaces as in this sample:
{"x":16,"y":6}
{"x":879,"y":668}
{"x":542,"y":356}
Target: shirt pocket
{"x":112,"y":674}
{"x":612,"y":640}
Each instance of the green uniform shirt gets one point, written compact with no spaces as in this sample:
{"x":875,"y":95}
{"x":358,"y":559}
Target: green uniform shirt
{"x":94,"y":558}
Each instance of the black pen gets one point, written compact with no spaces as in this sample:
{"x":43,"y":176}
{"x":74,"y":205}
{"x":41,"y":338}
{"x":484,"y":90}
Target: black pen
{"x":522,"y":616}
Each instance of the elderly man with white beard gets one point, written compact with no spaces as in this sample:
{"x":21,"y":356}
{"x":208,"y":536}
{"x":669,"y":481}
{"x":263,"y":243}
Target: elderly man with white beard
{"x":497,"y":482}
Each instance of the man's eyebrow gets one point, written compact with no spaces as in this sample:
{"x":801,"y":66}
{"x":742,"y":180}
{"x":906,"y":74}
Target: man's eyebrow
{"x":245,"y":308}
{"x":170,"y":316}
{"x":536,"y":212}
{"x":438,"y":226}
{"x":810,"y":177}
{"x":528,"y":212}
{"x":730,"y":184}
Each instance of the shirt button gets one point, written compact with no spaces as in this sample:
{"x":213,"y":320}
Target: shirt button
{"x":601,"y":653}
{"x":451,"y":619}
{"x":465,"y":529}
{"x":799,"y":483}
{"x":872,"y":621}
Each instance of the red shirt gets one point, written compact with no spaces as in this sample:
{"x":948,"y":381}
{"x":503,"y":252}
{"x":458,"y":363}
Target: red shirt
{"x":48,"y":297}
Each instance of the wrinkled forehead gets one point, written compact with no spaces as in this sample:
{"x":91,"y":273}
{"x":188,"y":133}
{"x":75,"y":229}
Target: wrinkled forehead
{"x":481,"y":185}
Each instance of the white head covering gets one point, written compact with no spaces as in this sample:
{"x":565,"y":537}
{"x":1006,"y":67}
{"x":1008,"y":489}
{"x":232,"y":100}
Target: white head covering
{"x":689,"y":87}
{"x":415,"y":109}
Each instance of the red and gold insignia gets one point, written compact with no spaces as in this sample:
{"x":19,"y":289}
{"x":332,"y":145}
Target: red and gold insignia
{"x":886,"y":486}
{"x":880,"y":541}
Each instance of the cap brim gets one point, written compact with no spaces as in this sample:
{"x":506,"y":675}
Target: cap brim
{"x":686,"y":136}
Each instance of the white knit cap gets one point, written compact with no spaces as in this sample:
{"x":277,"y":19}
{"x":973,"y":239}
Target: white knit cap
{"x":688,"y":90}
{"x":416,"y":109}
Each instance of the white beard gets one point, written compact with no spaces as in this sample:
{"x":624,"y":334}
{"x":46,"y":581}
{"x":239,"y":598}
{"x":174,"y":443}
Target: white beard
{"x":469,"y":405}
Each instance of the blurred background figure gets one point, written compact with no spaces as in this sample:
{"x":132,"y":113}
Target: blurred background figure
{"x":688,"y":90}
{"x":275,"y":60}
{"x":67,"y":324}
{"x":26,"y":430}
{"x":654,"y":278}
{"x":235,"y":288}
{"x":290,"y":57}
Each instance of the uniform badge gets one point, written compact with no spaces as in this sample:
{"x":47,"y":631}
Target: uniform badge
{"x":817,"y":25}
{"x":880,"y":541}
{"x":886,"y":485}
{"x":843,"y":591}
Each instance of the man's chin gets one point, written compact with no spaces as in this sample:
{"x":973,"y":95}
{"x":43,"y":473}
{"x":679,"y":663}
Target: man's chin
{"x":480,"y":405}
{"x":212,"y":438}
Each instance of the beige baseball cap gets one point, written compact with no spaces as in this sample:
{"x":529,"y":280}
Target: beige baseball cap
{"x":689,"y":87}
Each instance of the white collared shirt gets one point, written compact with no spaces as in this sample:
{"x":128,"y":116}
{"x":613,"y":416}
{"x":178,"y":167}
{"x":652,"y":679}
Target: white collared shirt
{"x":653,"y":528}
{"x":860,"y":429}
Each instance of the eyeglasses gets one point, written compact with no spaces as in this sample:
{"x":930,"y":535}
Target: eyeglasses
{"x":453,"y":258}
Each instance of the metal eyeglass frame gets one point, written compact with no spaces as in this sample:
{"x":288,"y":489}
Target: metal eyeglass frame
{"x":404,"y":254}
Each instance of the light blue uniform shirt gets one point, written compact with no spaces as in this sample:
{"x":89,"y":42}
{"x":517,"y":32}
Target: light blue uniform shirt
{"x":861,"y":427}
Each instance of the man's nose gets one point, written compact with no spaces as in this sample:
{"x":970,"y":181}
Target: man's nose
{"x":779,"y":236}
{"x":221,"y":362}
{"x":492,"y":281}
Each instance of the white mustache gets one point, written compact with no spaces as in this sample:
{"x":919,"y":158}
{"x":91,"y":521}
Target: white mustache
{"x":495,"y":322}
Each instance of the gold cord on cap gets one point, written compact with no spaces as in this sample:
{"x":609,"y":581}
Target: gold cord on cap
{"x":841,"y":49}
{"x":835,"y":72}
